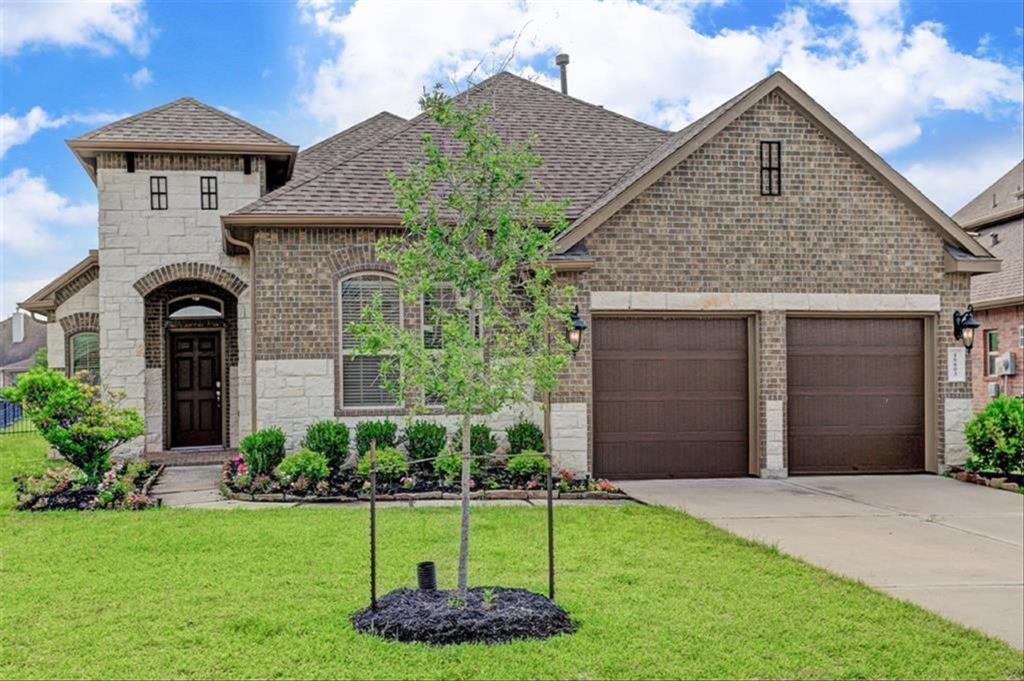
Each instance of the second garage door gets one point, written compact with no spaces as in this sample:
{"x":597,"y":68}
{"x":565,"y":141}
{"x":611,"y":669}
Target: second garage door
{"x":856,"y":395}
{"x":670,"y":398}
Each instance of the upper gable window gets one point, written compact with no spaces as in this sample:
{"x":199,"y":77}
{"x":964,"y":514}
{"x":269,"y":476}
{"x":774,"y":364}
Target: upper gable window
{"x":208,"y":193}
{"x":771,"y":168}
{"x":158,"y":193}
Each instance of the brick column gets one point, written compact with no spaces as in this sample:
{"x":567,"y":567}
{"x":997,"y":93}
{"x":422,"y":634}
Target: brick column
{"x":772,"y":388}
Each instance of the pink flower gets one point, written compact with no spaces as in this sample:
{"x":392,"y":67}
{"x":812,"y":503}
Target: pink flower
{"x":472,"y":483}
{"x":242,"y":468}
{"x":565,"y":475}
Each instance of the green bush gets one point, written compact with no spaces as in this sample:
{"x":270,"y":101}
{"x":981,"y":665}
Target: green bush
{"x":528,"y":465}
{"x":424,"y":440}
{"x":481,"y":440}
{"x":329,"y":438}
{"x":391,"y":464}
{"x":996,"y":436}
{"x":263,"y":450}
{"x":384,"y":432}
{"x":448,"y":466}
{"x":524,"y":436}
{"x":74,"y":418}
{"x":303,"y":463}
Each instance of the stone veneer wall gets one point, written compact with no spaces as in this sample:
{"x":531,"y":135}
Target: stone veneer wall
{"x":134,"y":241}
{"x":836,"y":239}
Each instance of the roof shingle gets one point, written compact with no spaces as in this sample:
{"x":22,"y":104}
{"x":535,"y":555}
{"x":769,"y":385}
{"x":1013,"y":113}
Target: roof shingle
{"x":585,"y":148}
{"x":184,"y":120}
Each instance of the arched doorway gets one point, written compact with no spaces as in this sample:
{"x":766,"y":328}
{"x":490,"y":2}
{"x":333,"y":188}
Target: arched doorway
{"x":192,"y":334}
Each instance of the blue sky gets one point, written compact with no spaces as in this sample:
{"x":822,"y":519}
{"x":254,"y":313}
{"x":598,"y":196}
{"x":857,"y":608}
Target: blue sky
{"x":935,"y":87}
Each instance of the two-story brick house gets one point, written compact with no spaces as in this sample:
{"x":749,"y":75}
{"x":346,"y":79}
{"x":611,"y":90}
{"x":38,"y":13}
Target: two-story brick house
{"x":996,"y":217}
{"x":765,"y":295}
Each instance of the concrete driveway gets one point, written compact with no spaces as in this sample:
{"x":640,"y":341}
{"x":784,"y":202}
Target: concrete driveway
{"x":953,"y":548}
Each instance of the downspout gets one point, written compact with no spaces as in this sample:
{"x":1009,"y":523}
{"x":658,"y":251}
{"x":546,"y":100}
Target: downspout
{"x":250,"y":249}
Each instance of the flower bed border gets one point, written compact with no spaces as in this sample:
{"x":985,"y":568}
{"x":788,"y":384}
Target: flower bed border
{"x":995,"y":481}
{"x":484,"y":495}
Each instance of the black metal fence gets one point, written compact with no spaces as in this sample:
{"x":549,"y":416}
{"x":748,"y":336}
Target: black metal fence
{"x":11,"y":420}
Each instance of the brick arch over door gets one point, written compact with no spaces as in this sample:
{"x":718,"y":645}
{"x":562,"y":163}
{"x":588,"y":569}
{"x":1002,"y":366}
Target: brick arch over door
{"x":190,"y":270}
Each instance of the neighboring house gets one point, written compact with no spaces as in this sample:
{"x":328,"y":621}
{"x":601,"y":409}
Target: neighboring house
{"x":765,"y":295}
{"x":21,"y":337}
{"x":996,"y":217}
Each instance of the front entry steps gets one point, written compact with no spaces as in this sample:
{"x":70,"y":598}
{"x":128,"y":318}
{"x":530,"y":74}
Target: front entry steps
{"x":204,"y":456}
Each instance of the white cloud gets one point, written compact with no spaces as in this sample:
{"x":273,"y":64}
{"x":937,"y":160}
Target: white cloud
{"x":15,"y":130}
{"x":14,"y":292}
{"x":32,"y":214}
{"x":231,"y":112}
{"x":97,"y":25}
{"x":878,"y":75}
{"x":140,"y":78}
{"x":952,"y":184}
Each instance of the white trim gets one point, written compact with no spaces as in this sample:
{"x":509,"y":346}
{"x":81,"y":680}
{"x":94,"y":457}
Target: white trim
{"x":795,"y":302}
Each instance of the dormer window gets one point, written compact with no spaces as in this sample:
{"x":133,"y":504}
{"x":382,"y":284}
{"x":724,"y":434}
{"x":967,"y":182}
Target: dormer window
{"x":158,"y":193}
{"x":771,"y":168}
{"x":208,"y":193}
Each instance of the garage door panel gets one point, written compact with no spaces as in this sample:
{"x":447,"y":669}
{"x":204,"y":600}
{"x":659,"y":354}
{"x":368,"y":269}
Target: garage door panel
{"x":856,"y":395}
{"x":670,"y":397}
{"x":891,"y":370}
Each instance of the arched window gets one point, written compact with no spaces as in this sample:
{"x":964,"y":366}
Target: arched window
{"x":85,"y":355}
{"x":361,"y":383}
{"x":195,"y":307}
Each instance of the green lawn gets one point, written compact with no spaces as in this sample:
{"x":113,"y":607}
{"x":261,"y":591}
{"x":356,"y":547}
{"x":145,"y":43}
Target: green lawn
{"x":179,"y":593}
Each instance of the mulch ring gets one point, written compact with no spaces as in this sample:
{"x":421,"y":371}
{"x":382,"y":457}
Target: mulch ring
{"x":489,"y":615}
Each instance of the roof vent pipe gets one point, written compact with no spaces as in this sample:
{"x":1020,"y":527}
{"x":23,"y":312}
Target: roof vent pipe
{"x":563,"y":60}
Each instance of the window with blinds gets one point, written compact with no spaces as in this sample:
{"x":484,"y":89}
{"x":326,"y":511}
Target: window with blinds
{"x":85,"y":356}
{"x":361,"y":381}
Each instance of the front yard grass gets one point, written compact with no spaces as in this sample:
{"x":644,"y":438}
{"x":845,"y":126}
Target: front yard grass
{"x":230,"y":594}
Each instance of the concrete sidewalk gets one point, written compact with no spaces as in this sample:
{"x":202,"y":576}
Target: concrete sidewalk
{"x":953,"y":548}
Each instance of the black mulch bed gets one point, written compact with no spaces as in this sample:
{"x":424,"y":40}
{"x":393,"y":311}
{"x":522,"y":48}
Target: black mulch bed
{"x":490,"y":615}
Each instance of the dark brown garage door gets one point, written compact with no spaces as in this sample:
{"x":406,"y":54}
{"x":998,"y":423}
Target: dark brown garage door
{"x":670,"y":398}
{"x":856,"y":395}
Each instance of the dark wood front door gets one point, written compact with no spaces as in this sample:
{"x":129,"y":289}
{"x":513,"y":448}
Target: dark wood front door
{"x":195,"y":394}
{"x":670,"y":398}
{"x":856,"y":395}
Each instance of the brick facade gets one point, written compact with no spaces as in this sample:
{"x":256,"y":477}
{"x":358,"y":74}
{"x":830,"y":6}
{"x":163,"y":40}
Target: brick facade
{"x":1007,"y":322}
{"x":704,"y":228}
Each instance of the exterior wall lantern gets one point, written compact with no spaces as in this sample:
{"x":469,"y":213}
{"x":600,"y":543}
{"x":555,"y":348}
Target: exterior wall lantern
{"x":964,"y":326}
{"x":575,"y":333}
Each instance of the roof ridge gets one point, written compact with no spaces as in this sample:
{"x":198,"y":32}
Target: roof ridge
{"x":350,"y":128}
{"x":270,"y":137}
{"x":234,"y":119}
{"x":584,"y":102}
{"x":409,"y":123}
{"x":120,"y":121}
{"x":286,"y":189}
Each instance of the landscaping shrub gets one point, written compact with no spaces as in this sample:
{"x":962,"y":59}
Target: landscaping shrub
{"x":528,"y":465}
{"x":263,"y":450}
{"x":304,"y":463}
{"x":424,"y":440}
{"x":74,"y":418}
{"x":448,"y":466}
{"x":391,"y":464}
{"x":329,"y":438}
{"x":524,"y":436}
{"x":996,"y":437}
{"x":384,"y":432}
{"x":481,"y":440}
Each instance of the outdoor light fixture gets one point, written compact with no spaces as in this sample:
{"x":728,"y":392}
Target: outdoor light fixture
{"x":575,"y":334}
{"x":964,"y":326}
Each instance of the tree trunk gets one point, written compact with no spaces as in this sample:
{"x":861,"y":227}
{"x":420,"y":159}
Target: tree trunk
{"x":464,"y":533}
